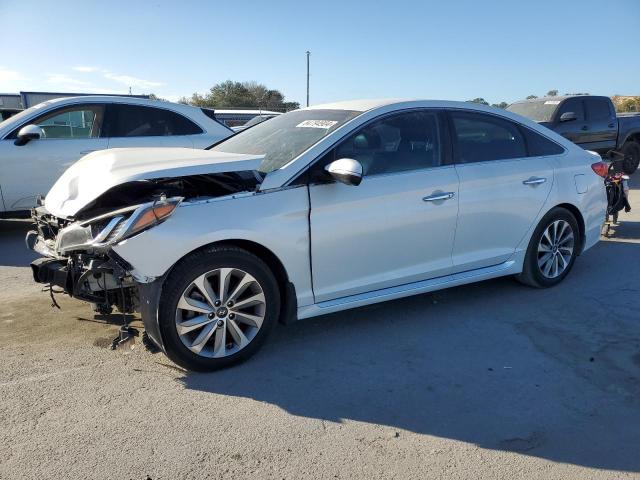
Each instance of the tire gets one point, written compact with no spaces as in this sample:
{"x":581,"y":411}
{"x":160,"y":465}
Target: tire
{"x":211,"y":335}
{"x":534,"y":267}
{"x":631,"y":151}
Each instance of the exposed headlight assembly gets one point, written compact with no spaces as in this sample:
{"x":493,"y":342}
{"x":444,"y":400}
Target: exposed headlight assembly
{"x":120,"y":224}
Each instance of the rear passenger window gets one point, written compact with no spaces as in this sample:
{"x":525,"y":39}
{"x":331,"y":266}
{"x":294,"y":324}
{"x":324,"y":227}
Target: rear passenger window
{"x":598,"y":108}
{"x":397,"y":143}
{"x":480,"y":138}
{"x":140,"y":121}
{"x":539,"y":146}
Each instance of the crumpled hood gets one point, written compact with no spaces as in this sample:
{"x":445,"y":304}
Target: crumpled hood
{"x":94,"y":174}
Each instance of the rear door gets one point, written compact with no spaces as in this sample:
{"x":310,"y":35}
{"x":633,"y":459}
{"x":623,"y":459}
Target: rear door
{"x":30,"y":170}
{"x":144,"y":126}
{"x":603,"y":126}
{"x":575,"y":130}
{"x":502,"y":188}
{"x":398,"y":225}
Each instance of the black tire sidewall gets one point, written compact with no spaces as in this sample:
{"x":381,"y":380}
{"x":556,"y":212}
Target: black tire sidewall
{"x":631,"y":149}
{"x":189,"y":269}
{"x":531,"y":258}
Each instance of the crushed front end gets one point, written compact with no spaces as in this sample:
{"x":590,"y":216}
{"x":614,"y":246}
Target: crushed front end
{"x":77,"y":257}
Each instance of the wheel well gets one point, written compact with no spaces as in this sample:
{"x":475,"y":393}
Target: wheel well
{"x":288,"y":299}
{"x":634,"y":137}
{"x":579,"y":218}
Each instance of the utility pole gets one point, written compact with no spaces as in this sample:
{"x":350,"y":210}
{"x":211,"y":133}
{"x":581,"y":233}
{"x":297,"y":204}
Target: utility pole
{"x":308,"y":53}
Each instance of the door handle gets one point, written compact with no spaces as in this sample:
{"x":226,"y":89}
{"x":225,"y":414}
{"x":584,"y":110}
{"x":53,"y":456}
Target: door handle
{"x":584,"y":128}
{"x":611,"y":125}
{"x":84,"y":152}
{"x":534,"y":181}
{"x":438,"y":197}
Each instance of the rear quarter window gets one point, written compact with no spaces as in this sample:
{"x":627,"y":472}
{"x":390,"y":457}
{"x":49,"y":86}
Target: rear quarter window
{"x":539,"y":146}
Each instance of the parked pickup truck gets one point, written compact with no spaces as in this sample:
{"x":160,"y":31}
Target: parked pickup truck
{"x":589,"y":121}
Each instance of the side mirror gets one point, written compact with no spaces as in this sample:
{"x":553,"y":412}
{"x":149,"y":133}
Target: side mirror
{"x":345,"y":170}
{"x":568,"y":117}
{"x":28,"y":133}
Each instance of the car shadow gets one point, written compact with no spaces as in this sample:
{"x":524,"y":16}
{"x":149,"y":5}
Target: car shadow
{"x":13,"y":251}
{"x":548,"y":373}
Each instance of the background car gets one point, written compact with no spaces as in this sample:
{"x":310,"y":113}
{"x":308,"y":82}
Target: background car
{"x":254,"y":121}
{"x":316,"y":211}
{"x":38,"y":144}
{"x":589,"y":121}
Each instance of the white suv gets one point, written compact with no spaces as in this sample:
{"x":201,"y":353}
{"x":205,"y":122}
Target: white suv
{"x":316,"y":211}
{"x":38,"y":144}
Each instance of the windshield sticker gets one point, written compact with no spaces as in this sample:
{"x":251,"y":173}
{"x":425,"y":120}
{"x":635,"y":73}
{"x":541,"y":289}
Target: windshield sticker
{"x":326,"y":124}
{"x":552,"y":102}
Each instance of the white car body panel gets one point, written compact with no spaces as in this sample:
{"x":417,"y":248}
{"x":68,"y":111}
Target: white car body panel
{"x":97,"y":172}
{"x":276,"y":220}
{"x":409,"y":238}
{"x":497,"y":209}
{"x":341,"y":246}
{"x":30,"y":170}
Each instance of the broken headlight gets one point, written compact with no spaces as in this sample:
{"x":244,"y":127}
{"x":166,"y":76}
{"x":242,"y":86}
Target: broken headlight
{"x":113,"y":227}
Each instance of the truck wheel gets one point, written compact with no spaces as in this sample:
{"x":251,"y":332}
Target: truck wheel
{"x":631,"y":152}
{"x":217,"y":308}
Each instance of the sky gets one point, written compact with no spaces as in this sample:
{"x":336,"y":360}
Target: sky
{"x":453,"y":49}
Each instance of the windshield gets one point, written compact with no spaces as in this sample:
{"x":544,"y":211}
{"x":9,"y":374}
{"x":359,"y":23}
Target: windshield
{"x":541,"y":111}
{"x":286,"y":136}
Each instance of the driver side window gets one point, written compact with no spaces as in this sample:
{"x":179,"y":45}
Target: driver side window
{"x":396,"y":143}
{"x":80,"y":121}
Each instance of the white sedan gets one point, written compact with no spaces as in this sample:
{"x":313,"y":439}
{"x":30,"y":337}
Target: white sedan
{"x":317,"y":211}
{"x":39,"y":143}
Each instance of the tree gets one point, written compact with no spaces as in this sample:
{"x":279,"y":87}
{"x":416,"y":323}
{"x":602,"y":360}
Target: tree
{"x":502,"y":105}
{"x":230,"y":94}
{"x":479,"y":100}
{"x":552,"y":93}
{"x":153,"y":96}
{"x":531,"y":97}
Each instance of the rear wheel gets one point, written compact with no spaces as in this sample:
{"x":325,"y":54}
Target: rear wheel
{"x":217,"y":308}
{"x":631,"y":151}
{"x":552,"y":250}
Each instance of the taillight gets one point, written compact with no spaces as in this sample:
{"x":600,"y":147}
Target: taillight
{"x":601,"y":168}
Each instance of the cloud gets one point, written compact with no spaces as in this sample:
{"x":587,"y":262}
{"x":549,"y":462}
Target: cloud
{"x":85,"y":69}
{"x":9,"y":75}
{"x":130,"y":81}
{"x":61,"y":78}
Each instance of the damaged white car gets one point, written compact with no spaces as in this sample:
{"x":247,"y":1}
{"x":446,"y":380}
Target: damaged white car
{"x":315,"y":211}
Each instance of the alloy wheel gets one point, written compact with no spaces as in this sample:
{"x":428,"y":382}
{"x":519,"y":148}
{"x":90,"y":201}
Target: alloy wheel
{"x":555,"y":249}
{"x":220,"y":312}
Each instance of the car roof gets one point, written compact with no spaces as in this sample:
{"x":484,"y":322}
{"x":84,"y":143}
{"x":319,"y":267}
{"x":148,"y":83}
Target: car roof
{"x":358,"y":105}
{"x":119,"y":99}
{"x":557,"y":98}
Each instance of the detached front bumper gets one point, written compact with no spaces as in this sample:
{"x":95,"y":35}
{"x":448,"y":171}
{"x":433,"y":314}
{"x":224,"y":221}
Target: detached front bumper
{"x":74,"y":280}
{"x":52,"y":272}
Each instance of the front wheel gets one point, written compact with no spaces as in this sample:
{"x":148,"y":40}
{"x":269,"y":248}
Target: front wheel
{"x":552,"y":250}
{"x":217,"y":308}
{"x":631,"y":151}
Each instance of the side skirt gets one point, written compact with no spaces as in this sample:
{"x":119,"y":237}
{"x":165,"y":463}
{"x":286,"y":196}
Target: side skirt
{"x":510,"y":267}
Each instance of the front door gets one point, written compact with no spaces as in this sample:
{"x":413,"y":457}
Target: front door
{"x":575,"y":130}
{"x":398,"y":225}
{"x":30,"y":170}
